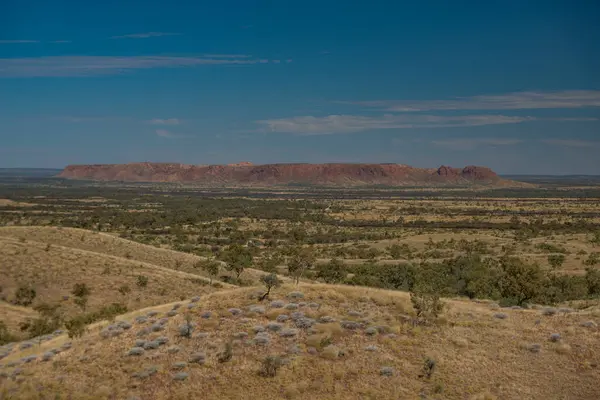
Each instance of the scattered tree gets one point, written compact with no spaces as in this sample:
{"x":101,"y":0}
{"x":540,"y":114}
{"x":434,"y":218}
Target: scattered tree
{"x":270,"y":281}
{"x":592,"y":279}
{"x":237,"y":258}
{"x":142,"y":281}
{"x":24,"y":296}
{"x":226,"y":354}
{"x":427,"y":305}
{"x":269,"y":366}
{"x":124,"y":289}
{"x":81,"y":290}
{"x":332,"y":272}
{"x":5,"y":335}
{"x":76,"y":327}
{"x":556,"y":260}
{"x":211,"y":267}
{"x":270,"y":261}
{"x":519,"y":282}
{"x":300,"y":261}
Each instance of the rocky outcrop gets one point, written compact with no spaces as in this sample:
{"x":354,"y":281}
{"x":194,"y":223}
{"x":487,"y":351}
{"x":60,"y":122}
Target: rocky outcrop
{"x":247,"y":174}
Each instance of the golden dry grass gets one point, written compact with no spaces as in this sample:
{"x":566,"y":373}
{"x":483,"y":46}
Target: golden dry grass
{"x":52,"y":271}
{"x":13,"y":315}
{"x":12,"y":203}
{"x":107,"y":244}
{"x":477,"y":355}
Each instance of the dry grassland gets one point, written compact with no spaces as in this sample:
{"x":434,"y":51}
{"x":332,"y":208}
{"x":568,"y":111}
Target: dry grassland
{"x":476,"y":354}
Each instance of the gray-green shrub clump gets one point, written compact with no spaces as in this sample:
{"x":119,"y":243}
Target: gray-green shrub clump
{"x":135,"y":351}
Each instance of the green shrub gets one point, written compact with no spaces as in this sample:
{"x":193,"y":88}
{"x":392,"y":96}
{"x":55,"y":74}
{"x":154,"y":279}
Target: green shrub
{"x":269,"y":366}
{"x":25,"y":295}
{"x":142,"y":281}
{"x":80,"y":290}
{"x":427,"y":305}
{"x":332,"y":272}
{"x":5,"y":335}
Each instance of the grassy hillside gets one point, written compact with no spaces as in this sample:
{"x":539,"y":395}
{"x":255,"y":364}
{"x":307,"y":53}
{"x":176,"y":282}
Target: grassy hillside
{"x":53,"y":270}
{"x":107,"y":244}
{"x":369,"y":349}
{"x":11,"y":316}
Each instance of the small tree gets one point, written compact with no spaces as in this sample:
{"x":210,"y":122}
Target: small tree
{"x":270,"y":261}
{"x":25,"y":295}
{"x":237,"y":258}
{"x":211,"y":267}
{"x":81,"y":302}
{"x":226,"y":354}
{"x":80,"y":290}
{"x":428,"y":368}
{"x":332,"y":272}
{"x":188,"y":327}
{"x":592,"y":280}
{"x":76,"y":327}
{"x":519,"y":282}
{"x":556,"y":260}
{"x":269,"y":366}
{"x":5,"y":335}
{"x":595,"y":240}
{"x":427,"y":305}
{"x":300,"y":262}
{"x":270,"y":281}
{"x":142,"y":281}
{"x":124,"y":290}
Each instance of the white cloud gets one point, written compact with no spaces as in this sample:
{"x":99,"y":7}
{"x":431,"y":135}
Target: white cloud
{"x":509,"y":101}
{"x":59,"y":66}
{"x":470,"y":144}
{"x":571,"y":143}
{"x":18,"y":41}
{"x":144,"y":35}
{"x":170,"y":121}
{"x":226,"y":55}
{"x":331,"y":124}
{"x":164,"y":133}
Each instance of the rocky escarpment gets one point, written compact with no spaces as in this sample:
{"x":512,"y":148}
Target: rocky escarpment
{"x":247,"y":174}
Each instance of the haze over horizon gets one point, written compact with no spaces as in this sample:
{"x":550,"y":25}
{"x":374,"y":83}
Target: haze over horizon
{"x":511,"y":85}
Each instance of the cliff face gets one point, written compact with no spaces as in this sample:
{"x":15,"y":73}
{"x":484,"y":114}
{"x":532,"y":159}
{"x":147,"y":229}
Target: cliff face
{"x":247,"y":174}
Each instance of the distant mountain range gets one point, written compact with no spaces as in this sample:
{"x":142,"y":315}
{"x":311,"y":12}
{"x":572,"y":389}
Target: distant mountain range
{"x":247,"y":174}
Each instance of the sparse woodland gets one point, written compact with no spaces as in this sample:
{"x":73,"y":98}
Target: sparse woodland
{"x":412,"y":285}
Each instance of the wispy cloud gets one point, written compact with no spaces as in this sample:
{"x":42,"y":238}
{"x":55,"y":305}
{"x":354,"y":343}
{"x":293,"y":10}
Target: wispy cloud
{"x":164,"y":133}
{"x":145,"y":35}
{"x":61,"y":41}
{"x":170,"y":121}
{"x":18,"y":41}
{"x":59,"y":66}
{"x":226,"y":55}
{"x":571,"y":143}
{"x":79,"y":119}
{"x":509,"y":101}
{"x":331,"y":124}
{"x":170,"y":135}
{"x":470,"y":144}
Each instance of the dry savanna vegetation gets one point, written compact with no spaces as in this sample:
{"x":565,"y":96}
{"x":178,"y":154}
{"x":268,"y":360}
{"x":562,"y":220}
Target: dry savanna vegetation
{"x":162,"y":291}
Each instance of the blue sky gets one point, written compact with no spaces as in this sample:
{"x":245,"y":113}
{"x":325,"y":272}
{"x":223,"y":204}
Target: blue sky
{"x":510,"y":84}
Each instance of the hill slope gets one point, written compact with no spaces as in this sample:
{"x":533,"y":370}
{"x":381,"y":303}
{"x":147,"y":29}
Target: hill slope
{"x":282,"y":174}
{"x":375,"y":353}
{"x":53,"y":271}
{"x":106,"y":244}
